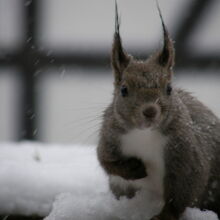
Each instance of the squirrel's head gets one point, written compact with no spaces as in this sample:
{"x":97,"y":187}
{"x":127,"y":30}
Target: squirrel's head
{"x":143,"y":89}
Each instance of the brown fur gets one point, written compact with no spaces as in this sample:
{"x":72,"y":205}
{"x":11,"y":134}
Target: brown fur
{"x":192,"y":155}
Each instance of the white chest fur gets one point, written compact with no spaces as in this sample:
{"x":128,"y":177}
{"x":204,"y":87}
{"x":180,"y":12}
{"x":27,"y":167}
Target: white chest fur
{"x":148,"y":145}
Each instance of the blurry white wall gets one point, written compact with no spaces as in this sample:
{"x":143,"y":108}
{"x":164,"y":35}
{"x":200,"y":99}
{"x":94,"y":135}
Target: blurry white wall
{"x":87,"y":24}
{"x":9,"y":104}
{"x":72,"y":103}
{"x":11,"y":24}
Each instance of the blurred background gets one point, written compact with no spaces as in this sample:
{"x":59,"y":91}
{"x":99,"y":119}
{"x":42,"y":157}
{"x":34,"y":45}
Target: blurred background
{"x":55,"y":73}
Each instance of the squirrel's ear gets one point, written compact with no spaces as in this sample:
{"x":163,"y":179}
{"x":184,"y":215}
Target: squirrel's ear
{"x":166,"y":57}
{"x":120,"y":58}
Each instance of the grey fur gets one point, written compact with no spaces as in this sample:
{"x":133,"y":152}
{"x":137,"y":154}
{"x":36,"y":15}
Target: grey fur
{"x":192,"y":155}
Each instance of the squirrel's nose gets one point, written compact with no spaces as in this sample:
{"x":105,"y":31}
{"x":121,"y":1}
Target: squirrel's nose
{"x":150,"y":112}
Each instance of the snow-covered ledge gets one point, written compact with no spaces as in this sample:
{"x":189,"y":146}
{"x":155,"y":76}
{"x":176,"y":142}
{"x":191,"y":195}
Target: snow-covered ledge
{"x":65,"y":183}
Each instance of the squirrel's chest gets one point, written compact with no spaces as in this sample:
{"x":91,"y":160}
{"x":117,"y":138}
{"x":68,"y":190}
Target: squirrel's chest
{"x":148,"y":145}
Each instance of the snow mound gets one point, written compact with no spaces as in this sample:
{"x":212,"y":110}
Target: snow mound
{"x":33,"y":174}
{"x":67,"y":183}
{"x":196,"y":214}
{"x":70,"y":207}
{"x":101,"y":207}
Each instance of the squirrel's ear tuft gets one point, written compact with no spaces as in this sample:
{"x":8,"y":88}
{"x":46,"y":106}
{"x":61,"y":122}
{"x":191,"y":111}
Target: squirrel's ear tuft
{"x":120,"y":58}
{"x":167,"y":55}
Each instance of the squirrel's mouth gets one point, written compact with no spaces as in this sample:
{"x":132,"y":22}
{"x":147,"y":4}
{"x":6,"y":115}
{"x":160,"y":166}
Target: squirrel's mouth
{"x":143,"y":123}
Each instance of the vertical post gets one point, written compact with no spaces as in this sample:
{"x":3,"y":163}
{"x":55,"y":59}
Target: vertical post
{"x":193,"y":15}
{"x":28,"y":68}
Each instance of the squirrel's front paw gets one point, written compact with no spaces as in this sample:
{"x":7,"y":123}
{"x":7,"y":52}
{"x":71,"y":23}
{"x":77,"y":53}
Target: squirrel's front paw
{"x":134,"y":169}
{"x":118,"y":192}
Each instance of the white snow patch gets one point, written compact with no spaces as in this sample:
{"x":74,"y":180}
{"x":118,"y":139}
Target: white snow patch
{"x":196,"y":214}
{"x":105,"y":207}
{"x":66,"y":183}
{"x":101,"y":207}
{"x":32,"y":175}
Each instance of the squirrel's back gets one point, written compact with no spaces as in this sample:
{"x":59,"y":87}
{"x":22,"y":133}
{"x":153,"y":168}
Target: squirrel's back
{"x":205,"y":128}
{"x":205,"y":123}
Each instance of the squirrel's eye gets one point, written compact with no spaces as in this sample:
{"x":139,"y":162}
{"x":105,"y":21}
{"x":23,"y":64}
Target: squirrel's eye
{"x":169,"y":89}
{"x":124,"y":91}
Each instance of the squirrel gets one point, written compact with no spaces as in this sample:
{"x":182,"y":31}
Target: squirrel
{"x":159,"y":137}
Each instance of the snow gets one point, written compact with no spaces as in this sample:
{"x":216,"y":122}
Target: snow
{"x":101,"y":207}
{"x":196,"y":214}
{"x":33,"y":174}
{"x":66,"y":183}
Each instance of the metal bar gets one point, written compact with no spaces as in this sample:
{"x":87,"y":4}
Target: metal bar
{"x":201,"y":63}
{"x":26,"y":61}
{"x":101,"y":60}
{"x":193,"y":14}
